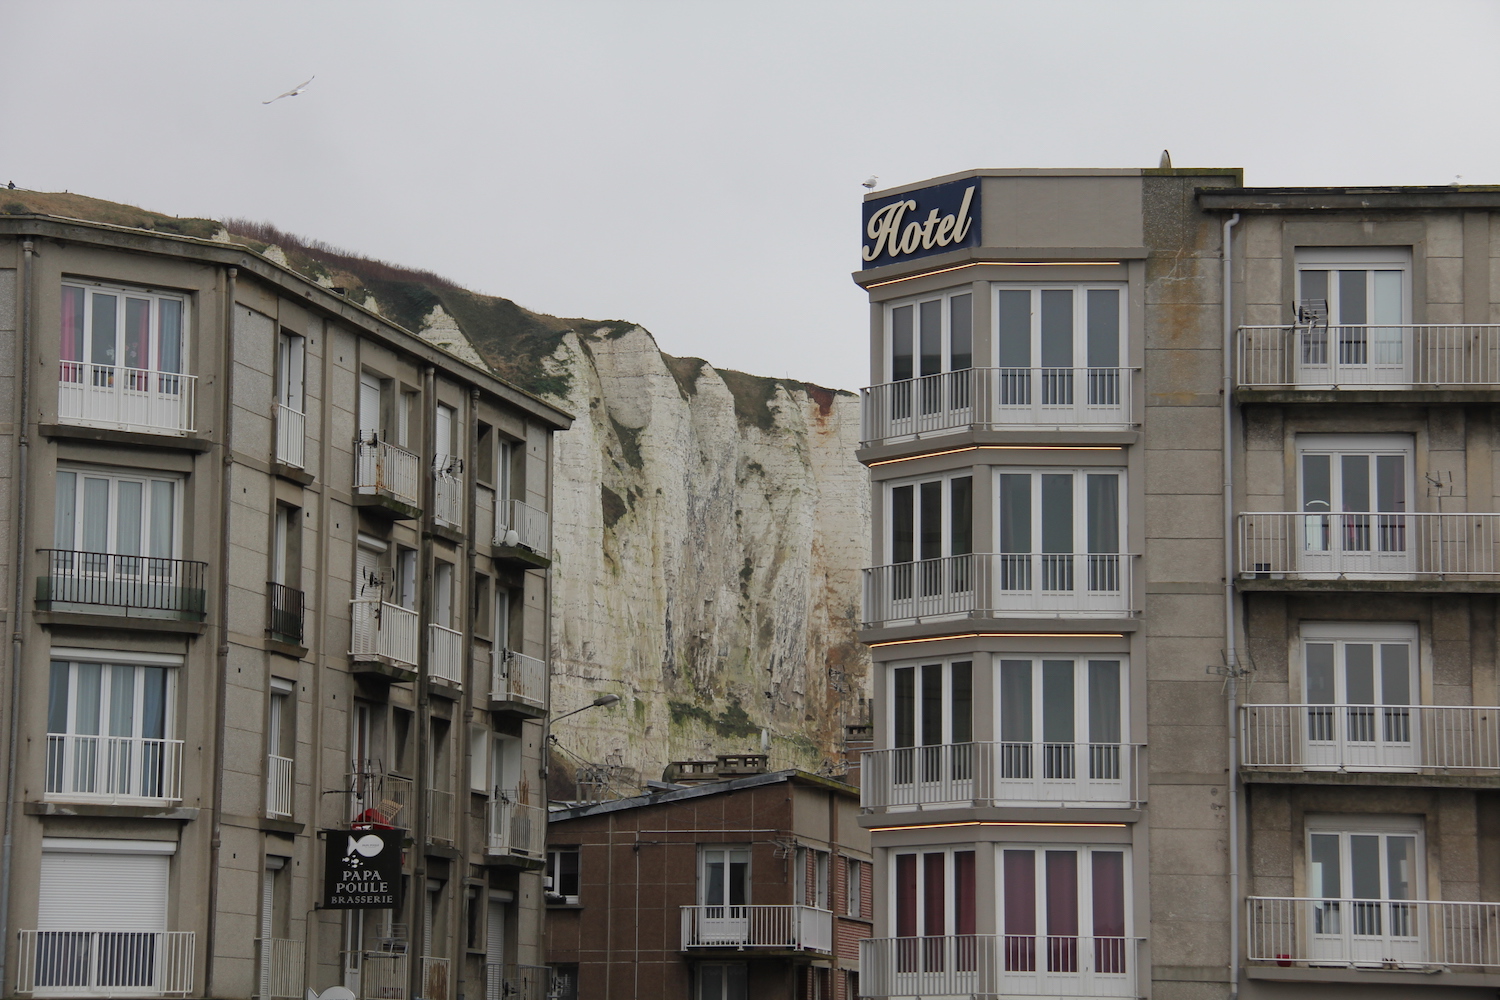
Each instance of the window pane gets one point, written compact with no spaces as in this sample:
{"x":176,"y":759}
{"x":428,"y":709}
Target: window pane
{"x":1057,"y":513}
{"x":903,"y":523}
{"x":962,"y":682}
{"x":121,"y":701}
{"x":1062,"y":893}
{"x":1104,"y":327}
{"x":1020,"y":892}
{"x":154,"y":703}
{"x":137,"y":333}
{"x":1109,"y":893}
{"x":901,"y":343}
{"x":932,"y":704}
{"x":906,"y":895}
{"x":934,"y":902}
{"x":63,"y":528}
{"x":1015,"y":513}
{"x":1324,"y":876}
{"x":1390,"y":483}
{"x":1352,"y":307}
{"x":1354,"y":482}
{"x":1387,"y":289}
{"x":711,"y":979}
{"x":1014,"y":325}
{"x":713,"y":891}
{"x":169,"y":336}
{"x":1104,"y":701}
{"x":736,"y":982}
{"x":960,"y":332}
{"x":905,"y":707}
{"x":567,"y":875}
{"x":95,"y":515}
{"x":931,"y":500}
{"x":1359,"y":673}
{"x":57,"y":698}
{"x":1364,"y":866}
{"x":1317,"y":484}
{"x":1314,"y":286}
{"x":1057,"y":701}
{"x":931,"y":334}
{"x":1057,"y":328}
{"x":1320,"y":688}
{"x":1401,"y":854}
{"x":70,"y":337}
{"x":1104,"y":513}
{"x":102,"y":340}
{"x":163,"y":500}
{"x":961,"y":522}
{"x":1395,"y":674}
{"x":128,"y":518}
{"x":87,"y":677}
{"x":1015,"y":701}
{"x":965,"y":911}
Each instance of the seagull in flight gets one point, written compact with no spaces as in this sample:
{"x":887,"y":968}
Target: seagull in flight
{"x":293,"y":92}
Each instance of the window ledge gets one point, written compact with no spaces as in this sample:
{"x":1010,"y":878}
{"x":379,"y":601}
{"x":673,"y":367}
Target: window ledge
{"x":133,"y":439}
{"x":276,"y":824}
{"x":564,"y":906}
{"x":292,"y":649}
{"x":112,"y":811}
{"x":291,"y":472}
{"x":449,"y":533}
{"x":85,"y":620}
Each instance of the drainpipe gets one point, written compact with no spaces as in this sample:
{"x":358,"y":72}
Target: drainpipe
{"x":313,"y":929}
{"x":222,"y":657}
{"x":416,"y":931}
{"x":1231,"y":654}
{"x":17,"y":634}
{"x":472,"y":681}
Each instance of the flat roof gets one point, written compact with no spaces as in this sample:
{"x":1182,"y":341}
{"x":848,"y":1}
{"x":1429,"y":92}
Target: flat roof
{"x":1350,"y":198}
{"x":699,"y":791}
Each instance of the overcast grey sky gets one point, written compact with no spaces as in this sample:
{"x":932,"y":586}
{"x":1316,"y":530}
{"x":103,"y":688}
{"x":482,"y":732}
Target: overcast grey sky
{"x":696,"y":166}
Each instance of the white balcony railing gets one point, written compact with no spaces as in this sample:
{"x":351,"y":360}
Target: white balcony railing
{"x":515,"y":827}
{"x":1373,"y":933}
{"x":130,"y":399}
{"x":113,"y":769}
{"x":990,"y":774}
{"x":379,"y":628}
{"x":528,"y":523}
{"x":280,"y":961}
{"x":445,"y":653}
{"x":440,"y":815}
{"x":278,"y":786}
{"x":435,"y":979}
{"x":1289,"y":545}
{"x":380,"y":467}
{"x":382,"y":976}
{"x":1407,"y":356}
{"x":783,"y":927}
{"x":448,"y":498}
{"x":377,"y":798}
{"x":291,"y":436}
{"x":1371,"y":737}
{"x":518,"y":677}
{"x":1009,"y":965}
{"x":997,"y":398}
{"x":115,"y":963}
{"x":1009,"y":584}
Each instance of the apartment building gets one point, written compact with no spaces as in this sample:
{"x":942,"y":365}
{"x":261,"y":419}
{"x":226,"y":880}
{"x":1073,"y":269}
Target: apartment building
{"x":730,"y":884}
{"x":276,"y":571}
{"x":1182,"y":589}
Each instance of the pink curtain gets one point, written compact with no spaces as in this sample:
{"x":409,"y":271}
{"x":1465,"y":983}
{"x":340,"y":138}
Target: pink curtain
{"x":1109,"y":911}
{"x":1019,"y":872}
{"x":906,"y":912}
{"x":71,"y":346}
{"x":1062,"y":911}
{"x":965,"y":909}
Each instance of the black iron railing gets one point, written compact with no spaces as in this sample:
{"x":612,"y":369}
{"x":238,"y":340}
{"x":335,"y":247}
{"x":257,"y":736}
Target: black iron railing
{"x":136,"y":583}
{"x":286,"y":612}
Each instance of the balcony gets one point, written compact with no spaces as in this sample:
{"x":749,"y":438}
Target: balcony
{"x":435,"y":978}
{"x":126,"y":399}
{"x":740,"y":928}
{"x":383,"y":631}
{"x":382,"y":975}
{"x":113,"y":963}
{"x":1000,"y":585}
{"x":518,"y":682}
{"x":515,"y":828}
{"x":279,"y":786}
{"x":440,"y":815}
{"x":975,"y":775}
{"x":1373,"y":933}
{"x":997,"y":399}
{"x":280,"y":961}
{"x":445,"y":654}
{"x":520,"y":525}
{"x":448,"y":499}
{"x":1428,"y":739}
{"x":1341,"y":358}
{"x":128,"y":585}
{"x":1010,"y":965}
{"x":118,"y":770}
{"x":384,"y":472}
{"x":291,"y":436}
{"x":1370,"y":546}
{"x":378,"y":799}
{"x":285,"y":613}
{"x":517,"y":982}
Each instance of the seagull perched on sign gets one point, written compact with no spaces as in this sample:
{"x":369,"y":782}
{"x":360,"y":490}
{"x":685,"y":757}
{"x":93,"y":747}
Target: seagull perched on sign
{"x":293,"y":92}
{"x":870,"y":184}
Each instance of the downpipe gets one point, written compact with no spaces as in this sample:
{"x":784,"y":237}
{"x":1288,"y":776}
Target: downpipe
{"x":1231,"y":651}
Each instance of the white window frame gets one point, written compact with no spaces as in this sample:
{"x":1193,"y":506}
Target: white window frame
{"x":554,"y":858}
{"x":291,"y":371}
{"x":1081,"y":693}
{"x":944,"y":300}
{"x":1080,"y":504}
{"x":1083,"y":873}
{"x":945,"y":665}
{"x":1079,"y":345}
{"x":950,"y":886}
{"x":915,"y":484}
{"x":147,"y":482}
{"x":154,"y":333}
{"x":1396,"y":932}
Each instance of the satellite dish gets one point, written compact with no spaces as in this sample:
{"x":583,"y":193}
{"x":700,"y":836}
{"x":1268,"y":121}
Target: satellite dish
{"x":332,"y":993}
{"x":512,"y":538}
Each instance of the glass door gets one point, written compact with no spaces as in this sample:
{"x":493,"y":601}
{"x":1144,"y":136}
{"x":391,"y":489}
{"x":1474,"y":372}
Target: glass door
{"x":931,"y":546}
{"x":724,"y":895}
{"x":1355,"y":498}
{"x":1353,"y":306}
{"x":1361,"y":883}
{"x":1359,"y":698}
{"x":932,"y":729}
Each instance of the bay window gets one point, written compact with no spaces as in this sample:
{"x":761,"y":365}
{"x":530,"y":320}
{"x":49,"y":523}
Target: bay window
{"x":1059,"y":346}
{"x":1060,"y":531}
{"x":1061,"y":720}
{"x":932,"y":719}
{"x":930,"y":337}
{"x":935,"y":909}
{"x":932,"y":526}
{"x":1064,"y":911}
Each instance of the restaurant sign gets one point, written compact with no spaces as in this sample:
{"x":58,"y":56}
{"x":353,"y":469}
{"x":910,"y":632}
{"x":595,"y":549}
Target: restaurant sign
{"x":921,"y":223}
{"x":362,"y":870}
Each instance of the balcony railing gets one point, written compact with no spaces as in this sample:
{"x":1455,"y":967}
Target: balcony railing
{"x":445,"y":653}
{"x":113,"y":769}
{"x":280,"y":961}
{"x":518,"y":677}
{"x":996,"y":398}
{"x":286,"y":612}
{"x":378,"y":799}
{"x":85,"y":963}
{"x":382,"y":629}
{"x":146,"y":586}
{"x":515,"y":827}
{"x":517,"y":982}
{"x":382,"y":976}
{"x":791,"y":928}
{"x":435,"y":983}
{"x":291,"y":436}
{"x":1288,"y":545}
{"x":1367,"y":356}
{"x":1009,"y":584}
{"x":528,"y":523}
{"x":381,"y":467}
{"x":448,"y":498}
{"x":1010,"y":965}
{"x":1373,"y":933}
{"x":130,"y":399}
{"x":279,"y":786}
{"x":991,"y":774}
{"x":440,"y":815}
{"x":1371,"y":737}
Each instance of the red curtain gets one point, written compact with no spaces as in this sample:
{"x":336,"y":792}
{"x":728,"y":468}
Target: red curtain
{"x":965,"y":909}
{"x":1062,"y":911}
{"x":906,"y":912}
{"x":1019,"y":872}
{"x":1109,"y":911}
{"x":71,"y":346}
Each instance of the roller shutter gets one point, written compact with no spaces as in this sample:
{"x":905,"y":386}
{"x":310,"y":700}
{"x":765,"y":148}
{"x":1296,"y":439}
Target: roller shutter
{"x":105,"y":892}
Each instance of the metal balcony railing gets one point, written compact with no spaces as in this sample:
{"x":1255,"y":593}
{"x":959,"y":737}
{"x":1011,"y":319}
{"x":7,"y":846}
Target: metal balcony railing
{"x":140,"y":584}
{"x":279,"y":771}
{"x":286,"y":612}
{"x":445,"y":653}
{"x":1291,"y":545}
{"x":517,"y":982}
{"x":1373,"y":933}
{"x":515,"y":827}
{"x":115,"y":963}
{"x":1009,"y":584}
{"x":1367,"y":356}
{"x":280,"y":961}
{"x":130,"y":399}
{"x":291,"y":436}
{"x":782,"y":927}
{"x":435,"y":978}
{"x":377,"y":798}
{"x":1371,"y":737}
{"x":1009,"y":965}
{"x":382,"y":629}
{"x":448,"y":498}
{"x":440,"y":815}
{"x":380,"y":467}
{"x":997,"y":398}
{"x":113,"y":769}
{"x":518,"y":677}
{"x":382,"y":975}
{"x":529,"y":524}
{"x":993,"y":774}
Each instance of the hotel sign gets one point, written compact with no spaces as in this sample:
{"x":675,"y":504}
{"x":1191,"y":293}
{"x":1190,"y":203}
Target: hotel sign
{"x":362,"y":870}
{"x":921,"y":223}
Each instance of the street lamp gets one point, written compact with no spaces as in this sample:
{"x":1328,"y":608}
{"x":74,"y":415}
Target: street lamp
{"x":603,"y":701}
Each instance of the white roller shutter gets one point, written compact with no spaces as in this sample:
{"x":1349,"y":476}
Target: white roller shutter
{"x":103,"y":892}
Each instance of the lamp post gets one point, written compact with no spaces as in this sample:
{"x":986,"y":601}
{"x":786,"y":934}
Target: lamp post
{"x":603,"y":701}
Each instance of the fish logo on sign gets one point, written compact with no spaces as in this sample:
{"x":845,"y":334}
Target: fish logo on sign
{"x":364,"y":847}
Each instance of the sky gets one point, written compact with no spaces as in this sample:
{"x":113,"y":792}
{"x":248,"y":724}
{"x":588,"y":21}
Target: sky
{"x":696,"y":166}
